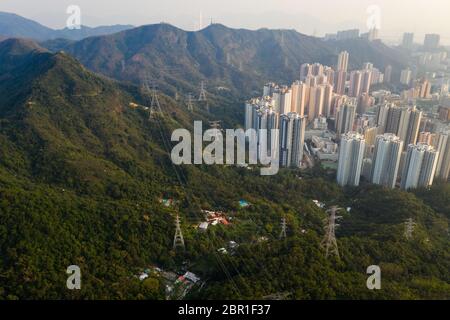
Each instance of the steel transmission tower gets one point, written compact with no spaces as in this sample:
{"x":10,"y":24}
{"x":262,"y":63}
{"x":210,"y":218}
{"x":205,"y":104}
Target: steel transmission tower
{"x":329,"y":241}
{"x":178,"y":240}
{"x":409,"y":228}
{"x":190,"y":105}
{"x":283,"y":228}
{"x":150,"y":89}
{"x":202,"y":96}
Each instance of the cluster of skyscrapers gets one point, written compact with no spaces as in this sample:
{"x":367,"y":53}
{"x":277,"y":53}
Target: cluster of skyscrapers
{"x":431,"y":41}
{"x":259,"y":115}
{"x":393,"y":151}
{"x":390,"y":147}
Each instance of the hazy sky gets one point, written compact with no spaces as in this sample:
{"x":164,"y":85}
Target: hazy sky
{"x":310,"y":17}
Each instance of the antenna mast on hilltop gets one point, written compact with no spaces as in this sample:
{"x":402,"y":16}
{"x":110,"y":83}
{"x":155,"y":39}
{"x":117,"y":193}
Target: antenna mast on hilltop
{"x":178,"y":240}
{"x":329,"y":241}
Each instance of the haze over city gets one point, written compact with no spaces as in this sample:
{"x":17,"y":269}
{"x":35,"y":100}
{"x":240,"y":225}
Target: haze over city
{"x":309,"y":17}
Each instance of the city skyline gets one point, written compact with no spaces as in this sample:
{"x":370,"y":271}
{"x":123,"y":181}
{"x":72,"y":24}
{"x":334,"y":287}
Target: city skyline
{"x":312,"y":18}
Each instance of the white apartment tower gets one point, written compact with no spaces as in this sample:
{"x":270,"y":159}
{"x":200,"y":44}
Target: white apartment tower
{"x":351,"y":154}
{"x":342,"y":64}
{"x":443,"y":147}
{"x":292,"y":138}
{"x":405,"y":77}
{"x":420,"y":166}
{"x":386,"y":160}
{"x":345,"y":118}
{"x":355,"y":83}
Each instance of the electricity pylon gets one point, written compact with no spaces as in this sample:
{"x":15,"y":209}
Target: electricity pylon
{"x":178,"y":240}
{"x":190,"y":105}
{"x":202,"y":96}
{"x":409,"y":228}
{"x":283,"y":228}
{"x":329,"y":241}
{"x":150,"y":89}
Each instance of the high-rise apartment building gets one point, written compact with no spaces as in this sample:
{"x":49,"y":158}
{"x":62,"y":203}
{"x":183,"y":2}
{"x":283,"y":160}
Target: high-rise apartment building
{"x":406,"y":77}
{"x":267,"y":119}
{"x":412,"y":118}
{"x":424,"y":89}
{"x":388,"y":74}
{"x":351,"y":153}
{"x":426,"y":137}
{"x":341,"y":78}
{"x":299,"y":97}
{"x":420,"y":166}
{"x":342,"y":64}
{"x":317,"y":69}
{"x":386,"y":160}
{"x":432,"y":41}
{"x":345,"y":118}
{"x":305,"y":71}
{"x":355,"y":83}
{"x":408,"y":40}
{"x":330,"y":74}
{"x":327,"y":100}
{"x":316,"y":101}
{"x":292,"y":138}
{"x":366,"y":81}
{"x":381,"y":119}
{"x":401,"y":121}
{"x":443,"y":164}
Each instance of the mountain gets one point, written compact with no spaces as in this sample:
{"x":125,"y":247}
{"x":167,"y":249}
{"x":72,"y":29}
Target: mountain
{"x":69,"y":139}
{"x":239,"y":59}
{"x":12,"y":25}
{"x":376,"y":52}
{"x":83,"y":174}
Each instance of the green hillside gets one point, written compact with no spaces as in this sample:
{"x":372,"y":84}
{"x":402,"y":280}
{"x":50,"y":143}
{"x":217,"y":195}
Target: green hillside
{"x":82,"y":174}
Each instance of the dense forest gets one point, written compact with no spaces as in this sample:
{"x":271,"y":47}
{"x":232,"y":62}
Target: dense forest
{"x":82,"y":175}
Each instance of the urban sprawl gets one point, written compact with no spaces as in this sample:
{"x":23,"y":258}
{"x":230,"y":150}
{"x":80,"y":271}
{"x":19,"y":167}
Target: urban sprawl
{"x":350,"y":122}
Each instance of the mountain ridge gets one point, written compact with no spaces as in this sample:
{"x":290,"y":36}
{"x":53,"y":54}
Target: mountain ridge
{"x":14,"y":26}
{"x":240,"y":59}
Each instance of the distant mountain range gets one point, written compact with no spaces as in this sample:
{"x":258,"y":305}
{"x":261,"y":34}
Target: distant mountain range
{"x":15,"y":26}
{"x":238,"y":59}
